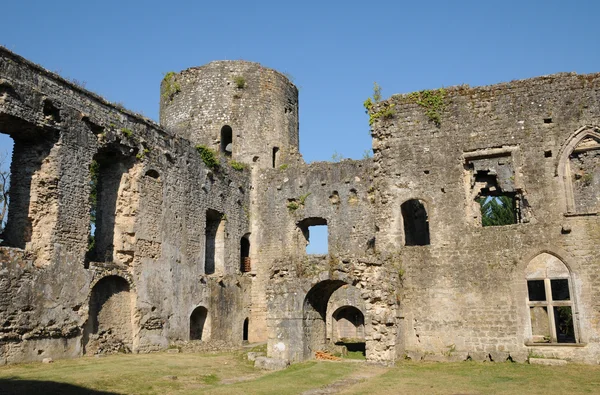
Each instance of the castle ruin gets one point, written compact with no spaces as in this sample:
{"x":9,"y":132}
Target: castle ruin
{"x":200,"y":223}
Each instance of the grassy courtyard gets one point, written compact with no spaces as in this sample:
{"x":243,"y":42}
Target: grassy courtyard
{"x":230,"y":373}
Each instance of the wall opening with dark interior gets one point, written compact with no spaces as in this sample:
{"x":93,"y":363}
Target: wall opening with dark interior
{"x":497,"y":200}
{"x":214,"y":253}
{"x":106,"y":172}
{"x":245,"y":263}
{"x":245,"y":330}
{"x":109,"y":326}
{"x":349,"y":328}
{"x":416,"y":223}
{"x":275,"y":157}
{"x":199,"y":325}
{"x":316,"y":235}
{"x":227,"y":140}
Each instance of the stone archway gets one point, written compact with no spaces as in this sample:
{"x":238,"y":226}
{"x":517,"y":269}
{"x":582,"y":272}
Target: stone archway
{"x":199,"y":325}
{"x":109,"y":327}
{"x":314,"y":315}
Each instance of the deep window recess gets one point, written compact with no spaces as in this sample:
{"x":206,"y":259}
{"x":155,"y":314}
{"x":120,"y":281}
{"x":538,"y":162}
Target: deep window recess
{"x":227,"y":140}
{"x":245,"y":264}
{"x":214,"y":253}
{"x":199,"y":325}
{"x":550,"y":301}
{"x":107,"y":170}
{"x":316,"y":235}
{"x":416,"y":223}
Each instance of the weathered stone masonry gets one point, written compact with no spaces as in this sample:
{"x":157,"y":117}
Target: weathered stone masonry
{"x":187,"y":251}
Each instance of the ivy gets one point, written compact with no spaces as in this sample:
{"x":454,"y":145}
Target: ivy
{"x":432,"y":101}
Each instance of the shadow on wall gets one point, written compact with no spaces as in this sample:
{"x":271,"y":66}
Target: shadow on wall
{"x":19,"y":387}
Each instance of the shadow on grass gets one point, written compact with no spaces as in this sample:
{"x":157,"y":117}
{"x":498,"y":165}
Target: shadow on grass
{"x":32,"y":387}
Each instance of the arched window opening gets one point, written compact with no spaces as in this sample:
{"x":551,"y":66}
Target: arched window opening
{"x":349,"y":329}
{"x":316,"y":235}
{"x":416,"y":223}
{"x":199,"y":325}
{"x":275,"y":157}
{"x":227,"y":140}
{"x":245,"y":263}
{"x":579,"y":168}
{"x":214,"y":253}
{"x":109,"y":327}
{"x":550,"y":301}
{"x":245,"y":330}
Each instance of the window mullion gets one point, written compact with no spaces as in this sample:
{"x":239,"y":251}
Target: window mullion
{"x":550,"y":310}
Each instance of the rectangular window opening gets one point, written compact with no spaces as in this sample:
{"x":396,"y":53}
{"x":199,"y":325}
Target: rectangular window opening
{"x":560,"y":289}
{"x":318,"y":243}
{"x":498,"y":210}
{"x":537,"y":290}
{"x":563,"y":320}
{"x":540,"y":324}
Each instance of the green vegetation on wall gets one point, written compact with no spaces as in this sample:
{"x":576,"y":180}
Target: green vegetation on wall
{"x":432,"y":101}
{"x":170,"y":86}
{"x":208,"y":156}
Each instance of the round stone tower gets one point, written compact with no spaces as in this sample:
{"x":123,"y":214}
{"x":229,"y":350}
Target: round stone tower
{"x":238,"y":108}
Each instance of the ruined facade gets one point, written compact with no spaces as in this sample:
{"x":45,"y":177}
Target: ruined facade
{"x":125,"y":236}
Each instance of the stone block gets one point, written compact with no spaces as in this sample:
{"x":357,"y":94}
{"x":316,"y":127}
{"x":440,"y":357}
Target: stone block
{"x":270,"y":363}
{"x":253,"y":355}
{"x":547,"y":362}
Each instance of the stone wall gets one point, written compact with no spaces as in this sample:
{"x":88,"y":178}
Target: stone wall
{"x":407,"y":245}
{"x":466,"y":293}
{"x":154,"y":192}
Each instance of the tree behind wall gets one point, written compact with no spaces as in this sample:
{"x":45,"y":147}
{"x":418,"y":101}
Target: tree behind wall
{"x":497,"y":210}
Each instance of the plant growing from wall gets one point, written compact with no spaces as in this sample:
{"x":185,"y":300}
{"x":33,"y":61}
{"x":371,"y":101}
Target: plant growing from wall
{"x":208,"y":156}
{"x":239,"y":81}
{"x":170,"y":86}
{"x":433,"y":103}
{"x":127,"y":132}
{"x":237,"y":165}
{"x":386,"y":111}
{"x":141,"y":155}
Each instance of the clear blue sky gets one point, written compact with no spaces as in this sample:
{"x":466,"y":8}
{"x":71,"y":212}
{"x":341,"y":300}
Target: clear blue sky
{"x":335,"y":50}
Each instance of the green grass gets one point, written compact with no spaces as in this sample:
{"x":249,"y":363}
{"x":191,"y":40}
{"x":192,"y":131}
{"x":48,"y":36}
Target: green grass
{"x":484,"y":378}
{"x":231,"y":373}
